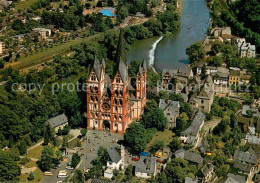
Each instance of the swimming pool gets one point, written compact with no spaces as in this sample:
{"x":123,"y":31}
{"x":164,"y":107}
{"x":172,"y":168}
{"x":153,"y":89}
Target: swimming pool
{"x":108,"y":12}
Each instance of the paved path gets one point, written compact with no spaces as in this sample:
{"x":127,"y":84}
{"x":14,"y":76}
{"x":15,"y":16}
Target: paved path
{"x":35,"y":145}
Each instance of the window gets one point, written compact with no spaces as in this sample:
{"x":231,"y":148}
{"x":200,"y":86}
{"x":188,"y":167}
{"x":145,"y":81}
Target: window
{"x":202,"y":101}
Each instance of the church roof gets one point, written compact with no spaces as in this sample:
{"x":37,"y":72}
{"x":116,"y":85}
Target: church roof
{"x":97,"y":68}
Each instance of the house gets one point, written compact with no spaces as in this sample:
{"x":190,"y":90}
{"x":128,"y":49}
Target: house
{"x":245,"y":49}
{"x":116,"y":157}
{"x":211,"y":69}
{"x":203,"y":98}
{"x":207,"y":172}
{"x":253,"y":110}
{"x":234,"y":77}
{"x":145,"y":167}
{"x":220,"y":78}
{"x":58,"y":122}
{"x":19,"y":37}
{"x":245,"y":76}
{"x":2,"y":48}
{"x":45,"y":33}
{"x":108,"y":173}
{"x":192,"y":134}
{"x":171,"y":111}
{"x":232,"y":178}
{"x":36,"y":18}
{"x":184,"y":74}
{"x":196,"y":67}
{"x":168,"y":76}
{"x":190,"y":180}
{"x":190,"y":156}
{"x":252,"y":139}
{"x":246,"y":158}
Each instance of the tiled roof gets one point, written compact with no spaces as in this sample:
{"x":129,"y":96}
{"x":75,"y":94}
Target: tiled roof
{"x":146,"y":165}
{"x":245,"y":157}
{"x":57,"y":121}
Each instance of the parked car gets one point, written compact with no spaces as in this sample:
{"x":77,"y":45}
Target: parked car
{"x":69,"y":167}
{"x":48,"y":173}
{"x":135,"y":159}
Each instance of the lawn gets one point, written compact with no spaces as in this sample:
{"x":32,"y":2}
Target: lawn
{"x":35,"y":152}
{"x":38,"y":176}
{"x":166,"y":136}
{"x":24,"y":4}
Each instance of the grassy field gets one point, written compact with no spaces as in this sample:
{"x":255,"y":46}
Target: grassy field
{"x":24,"y":4}
{"x":166,"y":136}
{"x":47,"y":54}
{"x":35,"y":152}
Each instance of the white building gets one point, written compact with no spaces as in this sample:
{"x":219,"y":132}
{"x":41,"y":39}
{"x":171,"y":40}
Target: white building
{"x":45,"y":33}
{"x":211,"y":69}
{"x":245,"y":49}
{"x":108,"y":173}
{"x":116,"y":154}
{"x":2,"y":47}
{"x":145,"y":167}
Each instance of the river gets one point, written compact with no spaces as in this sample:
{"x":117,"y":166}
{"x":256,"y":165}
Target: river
{"x":169,"y":52}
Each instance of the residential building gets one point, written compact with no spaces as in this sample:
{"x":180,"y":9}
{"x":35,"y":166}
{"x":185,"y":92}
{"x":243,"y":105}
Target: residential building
{"x":220,"y":78}
{"x":253,"y":139}
{"x":145,"y":167}
{"x":207,"y":172}
{"x":2,"y":48}
{"x":245,"y":49}
{"x":211,"y":69}
{"x":234,"y":77}
{"x":203,"y":98}
{"x":184,"y":74}
{"x":45,"y":33}
{"x":189,"y":156}
{"x":116,"y":157}
{"x":113,"y":103}
{"x":246,"y":158}
{"x":192,"y":134}
{"x":167,"y":77}
{"x":58,"y":122}
{"x":232,"y":178}
{"x":196,"y":67}
{"x":171,"y":111}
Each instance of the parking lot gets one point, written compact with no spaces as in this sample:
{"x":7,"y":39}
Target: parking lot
{"x":88,"y":152}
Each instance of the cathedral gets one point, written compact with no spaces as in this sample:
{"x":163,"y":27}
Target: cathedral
{"x":113,"y":103}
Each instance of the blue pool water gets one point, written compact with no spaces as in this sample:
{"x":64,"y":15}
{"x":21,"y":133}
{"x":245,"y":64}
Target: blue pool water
{"x":107,"y":12}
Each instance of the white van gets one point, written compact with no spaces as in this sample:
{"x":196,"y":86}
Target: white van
{"x":62,"y":174}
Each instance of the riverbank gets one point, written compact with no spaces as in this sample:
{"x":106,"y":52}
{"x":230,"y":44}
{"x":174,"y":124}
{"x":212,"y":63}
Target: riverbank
{"x":170,"y":51}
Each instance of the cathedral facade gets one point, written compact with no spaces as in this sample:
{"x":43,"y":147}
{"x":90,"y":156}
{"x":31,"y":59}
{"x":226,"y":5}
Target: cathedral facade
{"x":114,"y":102}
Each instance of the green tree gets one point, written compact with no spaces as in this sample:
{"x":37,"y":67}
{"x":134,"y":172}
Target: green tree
{"x":31,"y":176}
{"x":216,"y":47}
{"x":175,"y":144}
{"x":216,"y":61}
{"x":78,"y":177}
{"x":45,"y":162}
{"x":155,"y":119}
{"x":157,"y":145}
{"x":22,"y":147}
{"x":75,"y":160}
{"x":136,"y":138}
{"x":9,"y":169}
{"x":195,"y":52}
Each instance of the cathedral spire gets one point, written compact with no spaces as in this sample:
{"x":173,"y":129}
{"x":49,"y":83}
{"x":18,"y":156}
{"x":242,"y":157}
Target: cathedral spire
{"x":120,"y":52}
